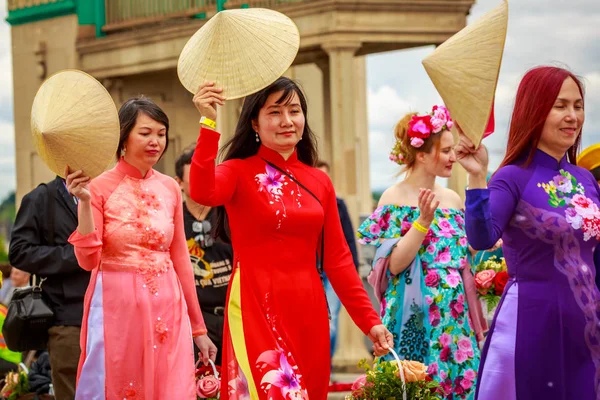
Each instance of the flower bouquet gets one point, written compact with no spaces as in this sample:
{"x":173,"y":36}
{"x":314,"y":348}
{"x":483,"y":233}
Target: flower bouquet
{"x":208,"y":385}
{"x":16,"y":384}
{"x":491,"y":277}
{"x":394,"y":380}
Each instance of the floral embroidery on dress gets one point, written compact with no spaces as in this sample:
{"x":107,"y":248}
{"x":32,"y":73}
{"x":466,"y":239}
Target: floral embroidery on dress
{"x":237,"y":387}
{"x":161,"y":330}
{"x":150,"y":269}
{"x":581,"y":213}
{"x":130,"y":391}
{"x":273,"y":182}
{"x":281,"y":378}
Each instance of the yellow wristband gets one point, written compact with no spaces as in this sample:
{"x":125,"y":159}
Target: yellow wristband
{"x":208,"y":122}
{"x":420,"y":227}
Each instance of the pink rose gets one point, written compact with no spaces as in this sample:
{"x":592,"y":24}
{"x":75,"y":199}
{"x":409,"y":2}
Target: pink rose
{"x":375,"y":229}
{"x":484,"y":280}
{"x":449,"y":124}
{"x":437,"y":123}
{"x":431,"y":249}
{"x":470,"y":375}
{"x":444,"y":257}
{"x":445,"y":339}
{"x":456,"y":308}
{"x":416,"y":142}
{"x":584,"y":206}
{"x":433,"y":368}
{"x":208,"y":387}
{"x":453,"y":278}
{"x":432,"y":279}
{"x":462,"y":241}
{"x":460,"y":356}
{"x":428,"y":299}
{"x":359,"y":384}
{"x":443,"y":374}
{"x":465,"y":345}
{"x":466,"y":384}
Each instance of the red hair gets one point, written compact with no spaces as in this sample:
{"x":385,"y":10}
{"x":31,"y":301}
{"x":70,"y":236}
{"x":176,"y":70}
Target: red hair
{"x":536,"y":95}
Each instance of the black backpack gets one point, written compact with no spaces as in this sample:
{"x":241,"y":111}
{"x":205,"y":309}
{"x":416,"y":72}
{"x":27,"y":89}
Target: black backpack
{"x":29,"y":317}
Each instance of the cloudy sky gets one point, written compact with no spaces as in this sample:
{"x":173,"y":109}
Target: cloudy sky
{"x":540,"y":32}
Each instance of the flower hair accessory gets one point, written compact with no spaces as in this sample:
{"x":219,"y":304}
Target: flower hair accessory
{"x":396,"y":154}
{"x":421,"y":127}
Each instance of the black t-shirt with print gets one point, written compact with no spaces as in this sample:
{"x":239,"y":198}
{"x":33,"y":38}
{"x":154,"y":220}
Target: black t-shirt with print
{"x":212,"y":259}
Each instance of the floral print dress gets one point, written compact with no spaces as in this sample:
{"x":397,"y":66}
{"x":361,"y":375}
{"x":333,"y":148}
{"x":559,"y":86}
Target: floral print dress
{"x":425,"y":306}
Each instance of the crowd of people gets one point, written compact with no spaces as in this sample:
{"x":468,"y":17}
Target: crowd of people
{"x":251,"y":258}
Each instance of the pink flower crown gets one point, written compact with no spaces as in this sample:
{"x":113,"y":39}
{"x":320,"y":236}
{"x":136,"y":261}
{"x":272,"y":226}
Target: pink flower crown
{"x":420,"y":128}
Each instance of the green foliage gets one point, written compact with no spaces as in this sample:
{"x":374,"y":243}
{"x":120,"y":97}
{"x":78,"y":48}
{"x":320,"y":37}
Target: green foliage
{"x":3,"y":253}
{"x":491,"y":300}
{"x":494,"y":263}
{"x":383,"y":382}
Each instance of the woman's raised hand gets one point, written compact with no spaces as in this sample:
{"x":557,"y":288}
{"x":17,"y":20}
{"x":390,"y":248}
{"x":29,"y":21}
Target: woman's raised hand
{"x":473,"y":159}
{"x":77,"y":184}
{"x":207,"y":98}
{"x":427,"y":206}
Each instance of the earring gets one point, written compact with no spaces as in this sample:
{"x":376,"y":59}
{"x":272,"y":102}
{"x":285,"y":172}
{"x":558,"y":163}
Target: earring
{"x":123,"y":150}
{"x":257,"y":138}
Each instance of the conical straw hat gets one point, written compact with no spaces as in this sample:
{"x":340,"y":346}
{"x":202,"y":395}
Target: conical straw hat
{"x":242,"y":51}
{"x":74,"y":122}
{"x":590,"y":157}
{"x":465,"y":68}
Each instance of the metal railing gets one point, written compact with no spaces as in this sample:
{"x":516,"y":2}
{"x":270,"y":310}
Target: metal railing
{"x":20,"y":4}
{"x":123,"y":14}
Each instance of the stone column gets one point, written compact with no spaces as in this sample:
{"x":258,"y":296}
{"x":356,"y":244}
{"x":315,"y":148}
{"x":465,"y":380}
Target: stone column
{"x":342,"y":100}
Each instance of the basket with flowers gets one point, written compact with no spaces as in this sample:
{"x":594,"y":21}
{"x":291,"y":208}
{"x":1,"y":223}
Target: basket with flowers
{"x":395,"y":380}
{"x":208,"y":385}
{"x":491,"y":277}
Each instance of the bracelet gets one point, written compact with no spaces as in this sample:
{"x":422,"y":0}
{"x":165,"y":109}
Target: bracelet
{"x":420,"y":227}
{"x":208,"y":122}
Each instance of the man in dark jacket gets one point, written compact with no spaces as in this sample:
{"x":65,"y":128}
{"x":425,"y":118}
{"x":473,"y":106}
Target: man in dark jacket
{"x":33,"y":248}
{"x":332,"y":298}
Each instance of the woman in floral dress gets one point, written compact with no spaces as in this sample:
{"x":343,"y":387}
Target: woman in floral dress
{"x":419,"y":231}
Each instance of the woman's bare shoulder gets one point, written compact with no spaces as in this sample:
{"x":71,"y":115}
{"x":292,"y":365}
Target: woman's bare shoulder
{"x":396,"y":194}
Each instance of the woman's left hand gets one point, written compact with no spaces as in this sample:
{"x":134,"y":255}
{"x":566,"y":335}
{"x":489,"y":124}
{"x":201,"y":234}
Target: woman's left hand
{"x":207,"y":348}
{"x":382,"y":339}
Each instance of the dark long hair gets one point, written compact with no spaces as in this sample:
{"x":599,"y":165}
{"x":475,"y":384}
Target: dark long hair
{"x":243,"y":144}
{"x":536,"y":95}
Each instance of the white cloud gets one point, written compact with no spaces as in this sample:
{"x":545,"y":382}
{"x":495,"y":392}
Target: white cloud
{"x":386,"y":107}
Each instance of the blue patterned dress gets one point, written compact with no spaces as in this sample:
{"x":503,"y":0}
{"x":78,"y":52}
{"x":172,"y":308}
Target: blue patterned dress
{"x":425,"y":307}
